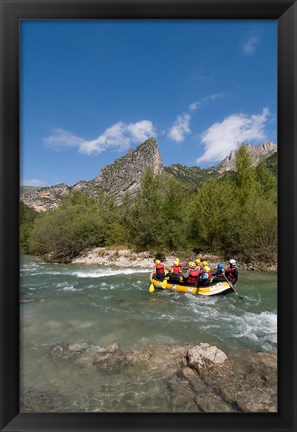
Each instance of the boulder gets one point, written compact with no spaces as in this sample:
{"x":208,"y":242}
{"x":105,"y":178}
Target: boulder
{"x":205,"y":355}
{"x":78,"y":347}
{"x":41,"y":401}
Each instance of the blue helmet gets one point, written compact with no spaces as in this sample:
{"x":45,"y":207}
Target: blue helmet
{"x":220,"y":267}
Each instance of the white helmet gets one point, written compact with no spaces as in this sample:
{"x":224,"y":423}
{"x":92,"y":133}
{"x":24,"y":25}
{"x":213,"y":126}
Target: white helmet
{"x":232,"y":262}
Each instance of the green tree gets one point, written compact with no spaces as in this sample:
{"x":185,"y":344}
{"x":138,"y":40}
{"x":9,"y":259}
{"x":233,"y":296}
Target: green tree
{"x":144,"y":222}
{"x":211,"y":209}
{"x":155,"y":219}
{"x":64,"y":232}
{"x":257,"y":230}
{"x":252,"y":226}
{"x":27,"y":218}
{"x":266,"y":181}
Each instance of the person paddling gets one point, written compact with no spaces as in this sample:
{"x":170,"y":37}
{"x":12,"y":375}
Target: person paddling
{"x":232,"y":272}
{"x":160,"y":270}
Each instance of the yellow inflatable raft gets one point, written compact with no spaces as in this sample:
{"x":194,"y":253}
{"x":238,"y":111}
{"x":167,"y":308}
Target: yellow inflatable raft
{"x":217,"y":288}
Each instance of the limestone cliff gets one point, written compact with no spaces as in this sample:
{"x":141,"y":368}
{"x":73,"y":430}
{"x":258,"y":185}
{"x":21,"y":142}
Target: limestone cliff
{"x":124,"y":175}
{"x":45,"y":198}
{"x":259,"y":152}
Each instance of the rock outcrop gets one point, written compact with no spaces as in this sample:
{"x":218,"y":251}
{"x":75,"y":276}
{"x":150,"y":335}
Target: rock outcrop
{"x":124,"y":175}
{"x":259,"y":152}
{"x":204,"y":355}
{"x":45,"y":198}
{"x":160,"y":378}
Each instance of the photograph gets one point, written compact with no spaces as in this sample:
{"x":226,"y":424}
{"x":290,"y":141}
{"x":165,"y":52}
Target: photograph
{"x":149,"y":207}
{"x":148,"y":216}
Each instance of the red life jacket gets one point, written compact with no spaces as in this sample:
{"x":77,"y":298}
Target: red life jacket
{"x":192,"y":278}
{"x":175,"y":269}
{"x":229,"y":273}
{"x":160,"y":269}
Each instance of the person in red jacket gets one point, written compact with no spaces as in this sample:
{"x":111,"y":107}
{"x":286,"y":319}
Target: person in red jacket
{"x":175,"y":272}
{"x":232,"y":272}
{"x":160,"y":270}
{"x":190,"y":276}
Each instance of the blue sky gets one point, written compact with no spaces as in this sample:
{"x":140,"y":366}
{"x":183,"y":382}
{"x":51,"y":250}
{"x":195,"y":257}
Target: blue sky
{"x":90,"y":90}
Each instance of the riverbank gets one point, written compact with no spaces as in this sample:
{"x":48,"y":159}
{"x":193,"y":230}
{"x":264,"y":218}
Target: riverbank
{"x":121,"y":257}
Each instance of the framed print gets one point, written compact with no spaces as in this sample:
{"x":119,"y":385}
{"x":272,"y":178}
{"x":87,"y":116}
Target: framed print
{"x":148,"y":208}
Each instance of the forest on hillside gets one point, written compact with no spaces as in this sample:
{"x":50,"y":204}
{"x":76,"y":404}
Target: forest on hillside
{"x":235,"y":214}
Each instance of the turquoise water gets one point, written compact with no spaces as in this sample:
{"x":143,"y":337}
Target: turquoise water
{"x":100,"y":306}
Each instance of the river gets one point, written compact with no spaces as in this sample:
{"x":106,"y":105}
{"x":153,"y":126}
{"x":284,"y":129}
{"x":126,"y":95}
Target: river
{"x":66,"y":303}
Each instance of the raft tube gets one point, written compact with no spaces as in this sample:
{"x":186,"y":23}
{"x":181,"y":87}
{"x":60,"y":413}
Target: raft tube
{"x":215,"y":289}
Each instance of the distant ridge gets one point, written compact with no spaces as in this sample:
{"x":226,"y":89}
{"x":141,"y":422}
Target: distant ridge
{"x":259,"y":152}
{"x":125,"y":173}
{"x":194,"y":176}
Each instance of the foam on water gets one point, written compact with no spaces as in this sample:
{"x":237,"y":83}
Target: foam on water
{"x":258,"y":328}
{"x":106,"y":272}
{"x":104,"y":286}
{"x":117,"y":299}
{"x":70,"y":288}
{"x":66,"y":286}
{"x":90,"y":273}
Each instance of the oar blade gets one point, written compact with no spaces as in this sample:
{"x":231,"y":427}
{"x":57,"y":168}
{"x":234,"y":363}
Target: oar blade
{"x":164,"y":284}
{"x":151,"y":288}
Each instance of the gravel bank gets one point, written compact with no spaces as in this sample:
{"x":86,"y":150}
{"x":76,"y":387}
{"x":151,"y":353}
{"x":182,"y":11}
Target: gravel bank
{"x":105,"y":257}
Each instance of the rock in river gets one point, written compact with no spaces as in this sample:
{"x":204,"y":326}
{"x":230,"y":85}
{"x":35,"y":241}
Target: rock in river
{"x":198,"y":378}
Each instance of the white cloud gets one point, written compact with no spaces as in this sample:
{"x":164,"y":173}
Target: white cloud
{"x":33,"y":182}
{"x":215,"y":96}
{"x":249,"y":47}
{"x":119,"y":136}
{"x":180,"y":128}
{"x":220,"y":138}
{"x":63,"y":138}
{"x":194,"y":106}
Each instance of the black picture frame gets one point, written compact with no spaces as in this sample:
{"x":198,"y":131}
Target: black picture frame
{"x":285,"y":12}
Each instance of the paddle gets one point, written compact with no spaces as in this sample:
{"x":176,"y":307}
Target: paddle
{"x":151,"y":288}
{"x":164,"y":284}
{"x":232,"y":286}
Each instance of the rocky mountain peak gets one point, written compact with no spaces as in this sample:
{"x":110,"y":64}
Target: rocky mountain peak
{"x":123,"y":175}
{"x":259,"y":152}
